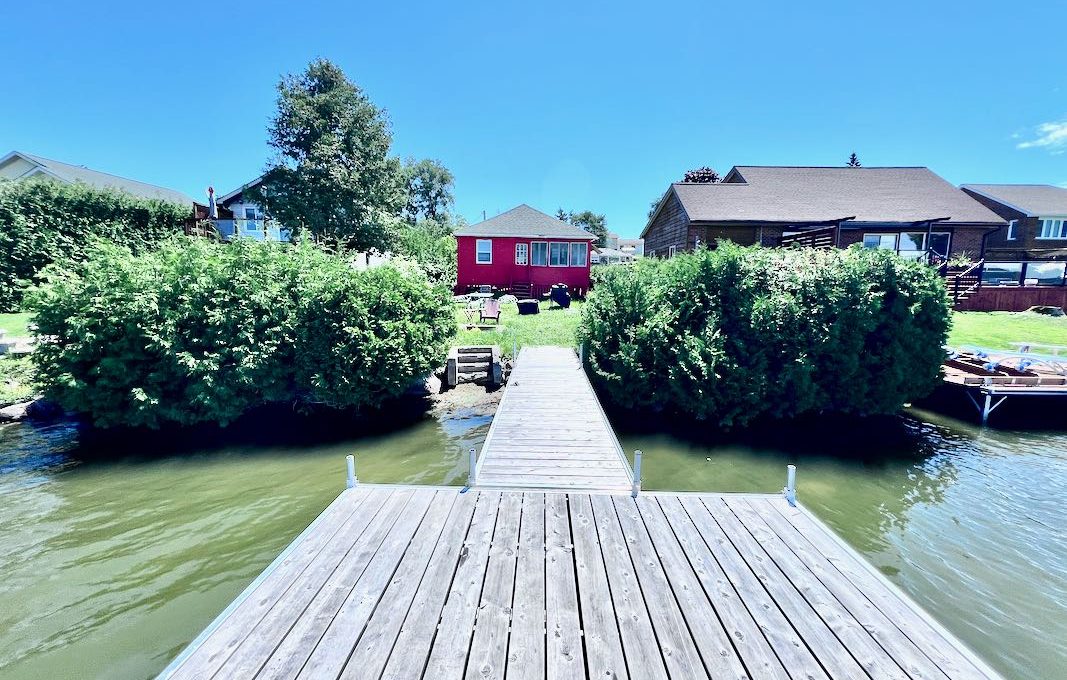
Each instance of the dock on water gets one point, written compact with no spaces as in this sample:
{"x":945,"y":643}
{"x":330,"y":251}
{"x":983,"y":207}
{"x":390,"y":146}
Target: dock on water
{"x":550,"y":431}
{"x":438,"y":583}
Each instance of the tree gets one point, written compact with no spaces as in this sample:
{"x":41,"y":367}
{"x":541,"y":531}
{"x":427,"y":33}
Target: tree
{"x":429,"y":190}
{"x":704,"y":175}
{"x":853,"y":160}
{"x":333,"y":176}
{"x":589,"y":221}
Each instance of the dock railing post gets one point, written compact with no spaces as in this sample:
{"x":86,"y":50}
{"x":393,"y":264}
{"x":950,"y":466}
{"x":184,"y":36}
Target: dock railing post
{"x":472,"y":473}
{"x":581,"y":354}
{"x":790,"y":489}
{"x":351,"y":481}
{"x":636,"y":489}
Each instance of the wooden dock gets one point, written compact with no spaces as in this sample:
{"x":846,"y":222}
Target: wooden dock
{"x":437,"y":583}
{"x":550,"y":432}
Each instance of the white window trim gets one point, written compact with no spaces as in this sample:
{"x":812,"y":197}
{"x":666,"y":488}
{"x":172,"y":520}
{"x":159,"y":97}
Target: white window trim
{"x":1041,"y":227}
{"x":526,"y":254}
{"x":567,"y":259}
{"x":671,"y":250}
{"x":570,"y":249}
{"x":1012,"y":226}
{"x":477,"y":244}
{"x":547,"y":249}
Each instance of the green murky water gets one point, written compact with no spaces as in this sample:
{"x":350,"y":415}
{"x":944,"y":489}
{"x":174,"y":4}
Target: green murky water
{"x":109,"y":567}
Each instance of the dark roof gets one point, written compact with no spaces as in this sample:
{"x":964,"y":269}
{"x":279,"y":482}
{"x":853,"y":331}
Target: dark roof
{"x":524,"y":221}
{"x":101,"y":180}
{"x":237,"y":193}
{"x":795,"y":195}
{"x":1036,"y":200}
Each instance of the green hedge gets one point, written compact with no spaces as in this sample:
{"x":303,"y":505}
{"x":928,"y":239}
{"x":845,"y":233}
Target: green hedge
{"x":199,"y":331}
{"x":43,"y":221}
{"x":736,"y":333}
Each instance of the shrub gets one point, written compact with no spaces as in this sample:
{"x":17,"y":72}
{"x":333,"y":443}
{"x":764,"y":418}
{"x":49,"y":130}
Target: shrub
{"x":16,"y":380}
{"x":201,"y":331}
{"x":430,"y":243}
{"x":735,"y":333}
{"x":43,"y":221}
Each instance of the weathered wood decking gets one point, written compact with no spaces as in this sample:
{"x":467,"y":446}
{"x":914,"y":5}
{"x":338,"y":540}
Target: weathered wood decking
{"x":422,"y":582}
{"x":550,"y":430}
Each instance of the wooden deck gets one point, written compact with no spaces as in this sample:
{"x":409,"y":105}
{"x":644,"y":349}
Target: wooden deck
{"x":423,"y":582}
{"x":550,"y":431}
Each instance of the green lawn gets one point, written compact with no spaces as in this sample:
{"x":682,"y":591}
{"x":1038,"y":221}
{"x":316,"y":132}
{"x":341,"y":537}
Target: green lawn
{"x":996,"y":329}
{"x":14,"y":324}
{"x":553,"y":326}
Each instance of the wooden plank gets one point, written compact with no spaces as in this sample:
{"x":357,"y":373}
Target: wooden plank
{"x":778,"y":630}
{"x":410,"y":584}
{"x":489,"y":649}
{"x":742,"y":629}
{"x":361,"y":568}
{"x":448,"y":656}
{"x":210,"y":655}
{"x":644,"y":657}
{"x":679,"y":649}
{"x":395,"y":565}
{"x":562,"y":624}
{"x":828,"y":649}
{"x":864,"y":649}
{"x":603,"y":646}
{"x":903,"y":650}
{"x":526,"y":651}
{"x":942,"y":648}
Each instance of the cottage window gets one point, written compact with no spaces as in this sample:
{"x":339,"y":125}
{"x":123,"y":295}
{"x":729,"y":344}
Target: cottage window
{"x":557,"y":254}
{"x":1012,"y":226}
{"x":1053,"y":227}
{"x":539,"y":254}
{"x":671,"y":250}
{"x":484,"y":251}
{"x":579,"y":254}
{"x":522,"y":251}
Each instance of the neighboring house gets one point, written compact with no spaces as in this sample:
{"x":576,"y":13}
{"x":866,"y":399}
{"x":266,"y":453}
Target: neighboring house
{"x":1037,"y":220}
{"x":239,"y":215}
{"x":911,"y":211}
{"x":20,"y":165}
{"x":524,"y":251}
{"x":610,"y":256}
{"x":632,"y":246}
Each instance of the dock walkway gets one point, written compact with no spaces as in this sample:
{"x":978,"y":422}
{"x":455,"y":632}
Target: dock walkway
{"x":550,"y":431}
{"x":437,"y":583}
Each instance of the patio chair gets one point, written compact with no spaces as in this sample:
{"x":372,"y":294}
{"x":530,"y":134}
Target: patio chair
{"x":491,"y":310}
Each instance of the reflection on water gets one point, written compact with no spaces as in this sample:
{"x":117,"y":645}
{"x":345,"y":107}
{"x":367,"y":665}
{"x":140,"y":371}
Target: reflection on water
{"x":116,"y":556}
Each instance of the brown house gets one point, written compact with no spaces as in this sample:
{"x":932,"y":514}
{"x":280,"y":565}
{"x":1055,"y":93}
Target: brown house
{"x":909,"y":210}
{"x":1037,"y":220}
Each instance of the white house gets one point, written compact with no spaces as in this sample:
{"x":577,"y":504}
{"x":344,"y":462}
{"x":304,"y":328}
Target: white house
{"x":249,"y":219}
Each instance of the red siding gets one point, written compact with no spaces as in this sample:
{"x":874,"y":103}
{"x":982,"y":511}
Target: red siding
{"x":504,"y":273}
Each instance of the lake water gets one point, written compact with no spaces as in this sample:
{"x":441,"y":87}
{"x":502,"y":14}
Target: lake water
{"x":112,"y":563}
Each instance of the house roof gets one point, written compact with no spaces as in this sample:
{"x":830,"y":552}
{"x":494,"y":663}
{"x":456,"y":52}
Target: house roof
{"x":794,"y":195}
{"x":102,"y":180}
{"x":1036,"y":200}
{"x":523,"y":221}
{"x":226,"y":198}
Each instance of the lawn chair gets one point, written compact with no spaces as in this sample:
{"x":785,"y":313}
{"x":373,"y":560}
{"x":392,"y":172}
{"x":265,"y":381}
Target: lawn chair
{"x":491,"y":310}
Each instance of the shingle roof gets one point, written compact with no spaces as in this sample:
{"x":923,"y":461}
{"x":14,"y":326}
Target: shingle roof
{"x":811,"y":194}
{"x":77,"y":173}
{"x":524,"y":221}
{"x":1036,"y":200}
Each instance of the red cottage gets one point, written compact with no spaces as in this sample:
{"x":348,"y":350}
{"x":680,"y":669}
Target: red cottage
{"x":524,"y":251}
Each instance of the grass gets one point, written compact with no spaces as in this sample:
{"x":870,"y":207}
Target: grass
{"x":553,"y":326}
{"x":996,"y":329}
{"x":16,"y":380}
{"x":15,"y":324}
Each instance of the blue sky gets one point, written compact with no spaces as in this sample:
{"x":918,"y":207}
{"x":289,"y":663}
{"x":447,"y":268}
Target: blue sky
{"x":582,"y":106}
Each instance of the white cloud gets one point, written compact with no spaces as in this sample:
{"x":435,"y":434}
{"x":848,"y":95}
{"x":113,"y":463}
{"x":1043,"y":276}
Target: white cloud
{"x":1051,"y":136}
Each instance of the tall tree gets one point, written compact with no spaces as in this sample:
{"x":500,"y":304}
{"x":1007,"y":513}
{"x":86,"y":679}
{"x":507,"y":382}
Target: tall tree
{"x":704,"y":175}
{"x":588,"y":220}
{"x":332,"y":176}
{"x":429,"y":190}
{"x":854,"y":160}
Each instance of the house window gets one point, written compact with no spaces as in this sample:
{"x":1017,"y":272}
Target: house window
{"x":522,"y":251}
{"x":484,"y":251}
{"x":911,"y":245}
{"x":557,"y":254}
{"x":671,"y":250}
{"x":880,"y":241}
{"x":1012,"y":225}
{"x":1053,"y":227}
{"x":540,"y":254}
{"x":579,"y":254}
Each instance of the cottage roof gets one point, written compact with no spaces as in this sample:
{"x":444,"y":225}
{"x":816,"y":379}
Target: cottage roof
{"x":792,"y":195}
{"x":102,"y":180}
{"x":525,"y":222}
{"x":1036,"y":200}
